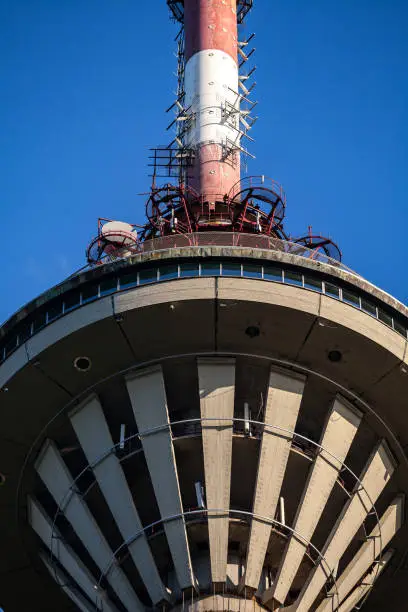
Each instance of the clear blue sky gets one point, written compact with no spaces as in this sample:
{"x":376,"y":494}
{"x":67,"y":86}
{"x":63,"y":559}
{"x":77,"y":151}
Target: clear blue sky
{"x":84,"y":86}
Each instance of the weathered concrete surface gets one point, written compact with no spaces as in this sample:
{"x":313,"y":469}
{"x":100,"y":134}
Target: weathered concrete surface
{"x":282,"y":409}
{"x":58,"y":480}
{"x":148,"y":397}
{"x":376,"y":542}
{"x":338,"y":434}
{"x":374,"y":478}
{"x":93,"y":433}
{"x":216,"y":384}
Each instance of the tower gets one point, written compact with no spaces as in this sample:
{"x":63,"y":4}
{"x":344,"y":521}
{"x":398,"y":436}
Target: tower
{"x":210,"y":416}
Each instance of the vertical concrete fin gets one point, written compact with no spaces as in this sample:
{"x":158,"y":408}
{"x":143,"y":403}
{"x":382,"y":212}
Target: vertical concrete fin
{"x":58,"y":480}
{"x":148,"y":397}
{"x":81,"y":603}
{"x":74,"y":567}
{"x":217,"y":386}
{"x":366,"y":584}
{"x":282,"y":409}
{"x":94,"y":436}
{"x":338,"y":433}
{"x":377,"y":540}
{"x":374,"y":478}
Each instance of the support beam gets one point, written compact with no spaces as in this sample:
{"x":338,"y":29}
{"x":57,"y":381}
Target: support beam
{"x":93,"y":434}
{"x":216,"y":383}
{"x":377,"y":540}
{"x":374,"y":478}
{"x":148,"y":397}
{"x":58,"y":480}
{"x":366,"y":585}
{"x":282,"y":409}
{"x":74,"y":567}
{"x":61,"y":579}
{"x":338,"y":434}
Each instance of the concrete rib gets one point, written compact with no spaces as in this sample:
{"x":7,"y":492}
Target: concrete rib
{"x":216,"y":382}
{"x":380,"y":536}
{"x":74,"y":567}
{"x":93,"y":434}
{"x":82,"y":604}
{"x":338,"y":434}
{"x":282,"y":409}
{"x":58,"y":480}
{"x":148,"y":397}
{"x":374,"y":478}
{"x":366,"y":585}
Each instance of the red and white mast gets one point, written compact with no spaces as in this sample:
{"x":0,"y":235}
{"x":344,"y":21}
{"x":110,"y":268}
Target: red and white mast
{"x":212,"y":117}
{"x":212,"y":96}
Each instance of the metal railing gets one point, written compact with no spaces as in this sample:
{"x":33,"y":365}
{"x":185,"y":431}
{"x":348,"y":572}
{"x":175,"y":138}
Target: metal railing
{"x":232,"y":239}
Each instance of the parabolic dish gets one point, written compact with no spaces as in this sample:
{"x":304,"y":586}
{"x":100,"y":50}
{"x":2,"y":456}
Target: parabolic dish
{"x":119,"y":232}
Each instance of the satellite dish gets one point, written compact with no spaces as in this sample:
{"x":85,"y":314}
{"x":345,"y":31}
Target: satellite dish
{"x":119,"y":233}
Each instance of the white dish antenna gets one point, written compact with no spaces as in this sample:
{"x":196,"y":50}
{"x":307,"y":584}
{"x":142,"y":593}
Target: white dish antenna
{"x":119,"y":233}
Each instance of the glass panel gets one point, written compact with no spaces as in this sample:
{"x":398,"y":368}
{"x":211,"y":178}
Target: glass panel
{"x":313,"y":283}
{"x":210,"y":269}
{"x":253,"y":270}
{"x":71,"y":300}
{"x":128,"y":280}
{"x":351,"y":298}
{"x":89,"y":293}
{"x":10,"y":346}
{"x":108,"y":286}
{"x":230,"y":268}
{"x":25,"y":332}
{"x":39,"y":321}
{"x":332,"y":290}
{"x":293,"y":278}
{"x":368,"y":307}
{"x":147,"y":276}
{"x":272,"y":274}
{"x":189,"y":269}
{"x":54,"y":310}
{"x":384,"y":317}
{"x":400,"y":328}
{"x":168,"y":272}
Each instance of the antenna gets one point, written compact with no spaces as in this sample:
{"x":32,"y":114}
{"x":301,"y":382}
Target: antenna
{"x":197,"y":179}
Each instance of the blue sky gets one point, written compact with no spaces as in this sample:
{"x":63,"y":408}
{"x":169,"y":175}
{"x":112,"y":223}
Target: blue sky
{"x":85,"y":84}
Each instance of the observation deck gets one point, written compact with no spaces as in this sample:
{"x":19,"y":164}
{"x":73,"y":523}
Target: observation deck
{"x":186,"y":371}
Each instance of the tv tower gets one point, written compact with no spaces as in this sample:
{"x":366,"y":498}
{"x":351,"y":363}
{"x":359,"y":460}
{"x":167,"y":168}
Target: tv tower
{"x":210,"y":416}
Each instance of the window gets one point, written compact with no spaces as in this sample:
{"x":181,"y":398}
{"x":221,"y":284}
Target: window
{"x":351,"y":298}
{"x":108,"y":286}
{"x":10,"y":346}
{"x":39,"y":321}
{"x":313,"y":283}
{"x":71,"y":300}
{"x":384,"y":317}
{"x":189,"y":269}
{"x":332,"y":290}
{"x":25,"y":332}
{"x":368,"y":307}
{"x":252,"y":270}
{"x":148,"y":276}
{"x":128,"y":280}
{"x":230,"y":268}
{"x":54,"y":310}
{"x":89,"y":293}
{"x":400,"y":328}
{"x":168,"y":272}
{"x":209,"y":268}
{"x":294,"y":278}
{"x":272,"y":274}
